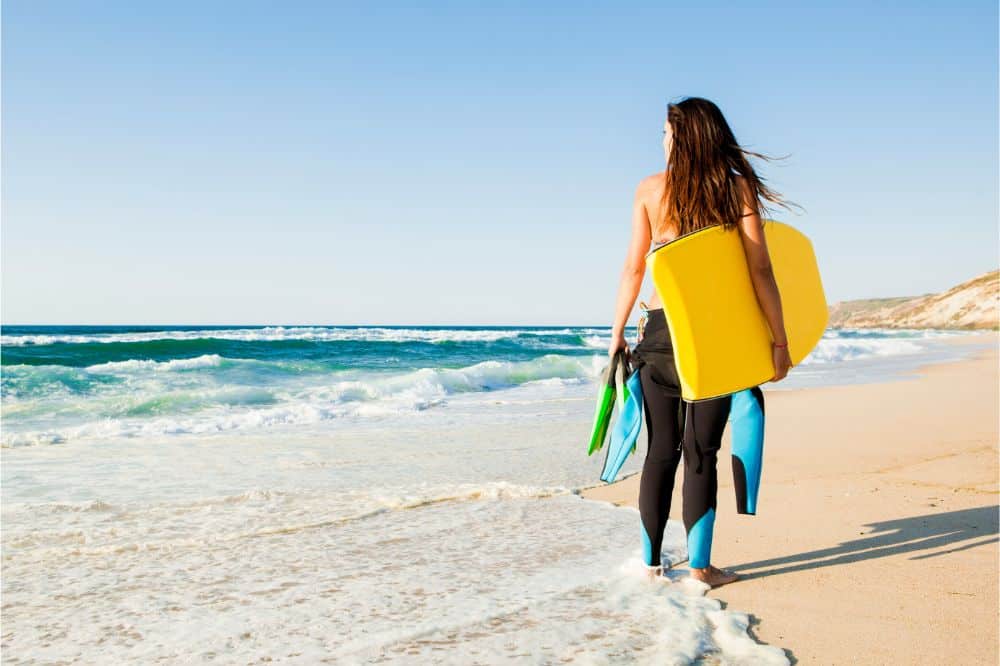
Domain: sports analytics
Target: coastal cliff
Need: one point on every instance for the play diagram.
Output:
(969, 305)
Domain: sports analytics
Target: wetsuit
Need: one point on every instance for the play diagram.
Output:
(676, 428)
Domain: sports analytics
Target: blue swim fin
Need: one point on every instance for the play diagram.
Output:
(626, 429)
(746, 419)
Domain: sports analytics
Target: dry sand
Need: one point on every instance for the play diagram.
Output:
(875, 540)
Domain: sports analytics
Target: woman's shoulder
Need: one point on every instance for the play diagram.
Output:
(650, 185)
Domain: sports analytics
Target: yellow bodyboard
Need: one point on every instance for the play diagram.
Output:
(721, 339)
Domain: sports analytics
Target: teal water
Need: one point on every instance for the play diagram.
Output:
(63, 383)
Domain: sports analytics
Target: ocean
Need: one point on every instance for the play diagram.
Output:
(342, 494)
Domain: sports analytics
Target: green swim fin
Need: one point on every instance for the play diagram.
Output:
(605, 406)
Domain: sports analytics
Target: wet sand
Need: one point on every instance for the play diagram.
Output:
(875, 540)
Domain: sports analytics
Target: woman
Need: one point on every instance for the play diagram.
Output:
(708, 181)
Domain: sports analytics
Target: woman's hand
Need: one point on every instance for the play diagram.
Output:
(782, 362)
(617, 343)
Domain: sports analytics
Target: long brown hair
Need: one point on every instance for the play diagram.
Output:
(700, 187)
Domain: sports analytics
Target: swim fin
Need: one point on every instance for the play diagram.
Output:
(605, 405)
(746, 419)
(626, 429)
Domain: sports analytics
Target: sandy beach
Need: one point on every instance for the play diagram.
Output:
(875, 540)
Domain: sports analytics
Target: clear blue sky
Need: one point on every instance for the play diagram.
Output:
(260, 162)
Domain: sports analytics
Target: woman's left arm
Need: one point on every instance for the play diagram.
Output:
(632, 272)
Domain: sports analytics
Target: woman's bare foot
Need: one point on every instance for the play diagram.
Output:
(654, 573)
(713, 576)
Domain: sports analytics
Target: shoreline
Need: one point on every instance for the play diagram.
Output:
(894, 485)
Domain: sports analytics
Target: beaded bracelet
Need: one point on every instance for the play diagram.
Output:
(777, 345)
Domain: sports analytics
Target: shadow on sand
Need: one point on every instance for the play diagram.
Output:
(927, 536)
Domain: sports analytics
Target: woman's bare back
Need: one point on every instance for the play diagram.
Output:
(651, 195)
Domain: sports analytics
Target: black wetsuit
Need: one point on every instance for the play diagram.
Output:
(676, 427)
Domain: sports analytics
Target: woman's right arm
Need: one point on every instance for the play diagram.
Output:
(764, 284)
